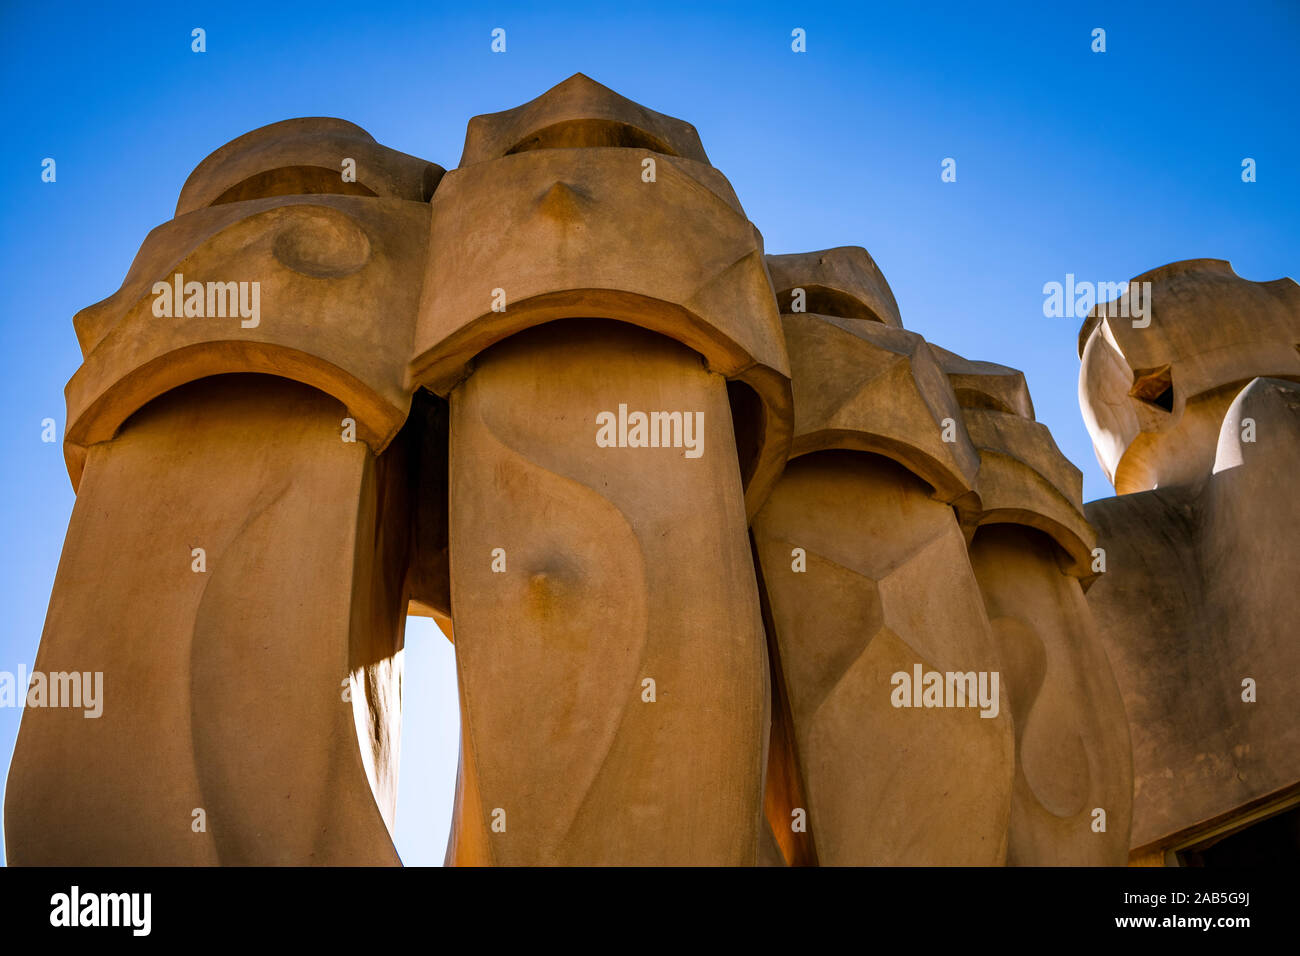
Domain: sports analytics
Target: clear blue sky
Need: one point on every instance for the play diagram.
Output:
(1103, 165)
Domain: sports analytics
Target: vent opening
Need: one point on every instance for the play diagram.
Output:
(586, 133)
(292, 181)
(747, 419)
(1155, 387)
(822, 300)
(973, 398)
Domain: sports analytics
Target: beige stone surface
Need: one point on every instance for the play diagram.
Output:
(1196, 416)
(1032, 556)
(306, 156)
(867, 498)
(1199, 595)
(843, 281)
(576, 114)
(620, 565)
(1023, 477)
(337, 265)
(1072, 738)
(865, 386)
(985, 385)
(888, 585)
(223, 690)
(338, 285)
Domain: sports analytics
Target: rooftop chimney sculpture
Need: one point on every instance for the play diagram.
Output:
(738, 569)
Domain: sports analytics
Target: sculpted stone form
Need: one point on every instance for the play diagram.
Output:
(866, 575)
(637, 567)
(338, 277)
(691, 269)
(738, 569)
(225, 735)
(619, 565)
(1153, 397)
(231, 662)
(1031, 553)
(1196, 416)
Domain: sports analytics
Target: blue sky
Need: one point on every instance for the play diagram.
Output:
(1068, 161)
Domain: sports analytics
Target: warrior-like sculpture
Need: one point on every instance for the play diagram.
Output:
(738, 570)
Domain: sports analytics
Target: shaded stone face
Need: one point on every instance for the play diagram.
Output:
(867, 577)
(1031, 552)
(1197, 612)
(1072, 740)
(255, 680)
(739, 570)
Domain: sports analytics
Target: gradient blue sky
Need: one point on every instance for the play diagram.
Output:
(1103, 165)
